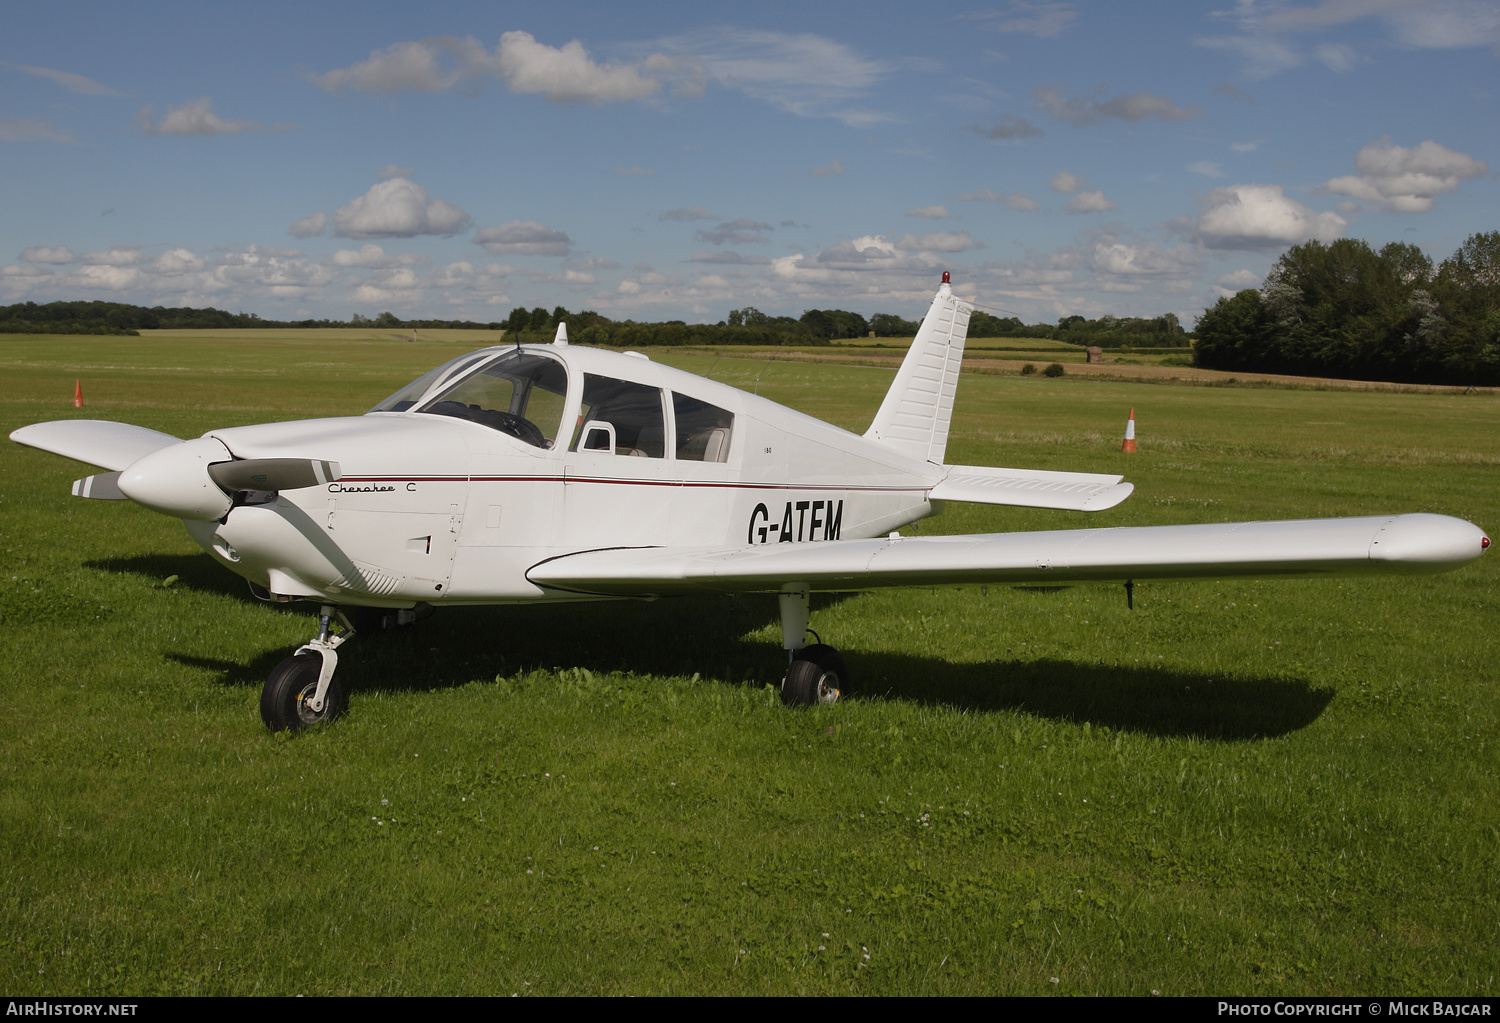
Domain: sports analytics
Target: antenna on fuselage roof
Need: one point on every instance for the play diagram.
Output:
(561, 337)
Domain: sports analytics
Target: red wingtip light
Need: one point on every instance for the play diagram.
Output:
(1484, 542)
(945, 276)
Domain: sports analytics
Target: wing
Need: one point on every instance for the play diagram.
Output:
(95, 441)
(1415, 543)
(1032, 488)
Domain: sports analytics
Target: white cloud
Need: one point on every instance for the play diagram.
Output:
(835, 167)
(1111, 256)
(692, 213)
(371, 255)
(109, 278)
(1043, 20)
(1336, 57)
(1261, 56)
(48, 254)
(1247, 147)
(1259, 217)
(67, 79)
(22, 129)
(1009, 127)
(636, 171)
(391, 170)
(309, 226)
(930, 212)
(938, 241)
(1426, 24)
(177, 261)
(120, 255)
(1090, 202)
(427, 65)
(728, 259)
(196, 118)
(566, 75)
(398, 208)
(523, 238)
(743, 231)
(1137, 106)
(1207, 168)
(1065, 183)
(575, 280)
(1406, 180)
(805, 74)
(1233, 283)
(1013, 201)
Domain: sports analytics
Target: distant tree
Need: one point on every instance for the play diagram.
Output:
(559, 315)
(887, 325)
(518, 320)
(387, 319)
(538, 319)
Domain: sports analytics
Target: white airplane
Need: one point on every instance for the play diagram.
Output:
(529, 473)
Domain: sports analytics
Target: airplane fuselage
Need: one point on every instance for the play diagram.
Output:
(440, 509)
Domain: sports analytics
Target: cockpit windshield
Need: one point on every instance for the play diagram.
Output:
(520, 393)
(409, 395)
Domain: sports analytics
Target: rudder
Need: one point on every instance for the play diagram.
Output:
(915, 415)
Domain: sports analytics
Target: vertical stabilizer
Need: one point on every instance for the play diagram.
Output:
(916, 412)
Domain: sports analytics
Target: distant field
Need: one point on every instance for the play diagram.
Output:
(1267, 787)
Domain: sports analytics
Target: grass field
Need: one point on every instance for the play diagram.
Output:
(1245, 787)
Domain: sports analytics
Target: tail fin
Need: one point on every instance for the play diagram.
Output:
(916, 412)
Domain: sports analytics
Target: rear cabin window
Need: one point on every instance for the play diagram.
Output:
(703, 430)
(620, 417)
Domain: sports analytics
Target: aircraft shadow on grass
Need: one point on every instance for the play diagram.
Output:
(680, 637)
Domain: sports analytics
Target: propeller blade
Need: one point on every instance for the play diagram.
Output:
(273, 473)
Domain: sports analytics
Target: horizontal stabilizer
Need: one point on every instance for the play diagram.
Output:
(95, 441)
(1415, 543)
(103, 487)
(1032, 488)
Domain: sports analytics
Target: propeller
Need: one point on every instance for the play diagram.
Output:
(273, 473)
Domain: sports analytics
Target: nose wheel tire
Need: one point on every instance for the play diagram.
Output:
(816, 675)
(283, 700)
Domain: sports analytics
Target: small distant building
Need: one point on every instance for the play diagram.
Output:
(1096, 354)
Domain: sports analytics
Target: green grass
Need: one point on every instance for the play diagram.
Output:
(1273, 787)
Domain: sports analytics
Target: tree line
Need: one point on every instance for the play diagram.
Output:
(118, 318)
(1344, 310)
(748, 326)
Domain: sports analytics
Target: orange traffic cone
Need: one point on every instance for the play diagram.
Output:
(1129, 446)
(78, 394)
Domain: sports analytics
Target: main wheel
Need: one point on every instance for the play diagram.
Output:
(283, 701)
(816, 675)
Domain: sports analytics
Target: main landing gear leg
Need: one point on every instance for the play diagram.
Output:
(301, 690)
(816, 673)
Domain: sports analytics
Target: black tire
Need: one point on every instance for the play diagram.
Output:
(290, 684)
(816, 675)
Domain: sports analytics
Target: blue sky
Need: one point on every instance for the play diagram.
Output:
(680, 160)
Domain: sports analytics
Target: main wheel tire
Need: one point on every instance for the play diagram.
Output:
(283, 700)
(816, 675)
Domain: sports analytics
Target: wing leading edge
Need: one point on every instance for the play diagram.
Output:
(1412, 544)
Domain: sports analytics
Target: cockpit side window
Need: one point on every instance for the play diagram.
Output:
(703, 430)
(520, 394)
(621, 417)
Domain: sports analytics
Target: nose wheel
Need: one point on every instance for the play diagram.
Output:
(301, 691)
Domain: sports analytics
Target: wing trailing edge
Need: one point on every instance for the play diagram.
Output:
(1413, 544)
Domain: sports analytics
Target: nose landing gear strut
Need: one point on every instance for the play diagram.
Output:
(301, 690)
